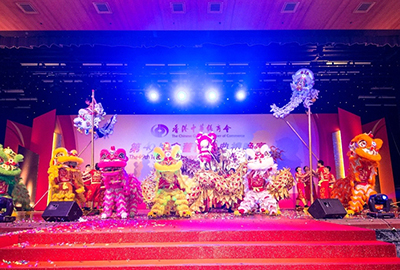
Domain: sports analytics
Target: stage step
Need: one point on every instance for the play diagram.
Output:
(127, 235)
(216, 264)
(197, 244)
(197, 250)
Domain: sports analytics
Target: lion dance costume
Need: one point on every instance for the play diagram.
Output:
(355, 189)
(122, 190)
(211, 185)
(266, 185)
(209, 189)
(9, 172)
(168, 183)
(206, 149)
(65, 176)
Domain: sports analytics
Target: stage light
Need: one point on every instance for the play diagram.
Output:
(153, 95)
(212, 95)
(379, 206)
(181, 95)
(152, 92)
(240, 95)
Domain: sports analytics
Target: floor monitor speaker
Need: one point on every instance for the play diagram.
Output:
(62, 211)
(327, 208)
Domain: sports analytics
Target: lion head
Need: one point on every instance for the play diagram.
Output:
(259, 157)
(9, 162)
(61, 157)
(168, 159)
(365, 146)
(112, 162)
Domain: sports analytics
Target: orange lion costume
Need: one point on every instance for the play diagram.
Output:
(355, 189)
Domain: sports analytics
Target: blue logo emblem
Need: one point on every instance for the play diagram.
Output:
(159, 130)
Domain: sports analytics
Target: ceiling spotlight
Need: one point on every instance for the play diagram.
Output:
(240, 95)
(181, 95)
(153, 95)
(212, 95)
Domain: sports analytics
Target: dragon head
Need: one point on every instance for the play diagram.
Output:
(168, 159)
(61, 157)
(259, 157)
(112, 162)
(303, 79)
(9, 162)
(366, 147)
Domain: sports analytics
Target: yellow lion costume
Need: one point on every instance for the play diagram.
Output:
(65, 178)
(355, 189)
(168, 184)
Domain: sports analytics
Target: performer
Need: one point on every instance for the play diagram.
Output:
(323, 175)
(299, 178)
(94, 190)
(354, 190)
(9, 172)
(87, 179)
(307, 185)
(170, 185)
(207, 149)
(65, 178)
(266, 185)
(122, 190)
(332, 179)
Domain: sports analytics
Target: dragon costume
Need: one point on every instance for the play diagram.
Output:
(266, 185)
(355, 189)
(222, 188)
(122, 189)
(302, 91)
(65, 177)
(214, 185)
(9, 173)
(165, 191)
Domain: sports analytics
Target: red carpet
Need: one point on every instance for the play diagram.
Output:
(204, 242)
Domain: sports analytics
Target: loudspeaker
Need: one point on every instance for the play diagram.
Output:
(62, 211)
(327, 208)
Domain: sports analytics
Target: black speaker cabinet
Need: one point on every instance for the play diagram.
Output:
(62, 211)
(327, 208)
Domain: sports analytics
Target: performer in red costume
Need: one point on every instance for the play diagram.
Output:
(323, 175)
(299, 178)
(307, 185)
(332, 179)
(87, 179)
(93, 194)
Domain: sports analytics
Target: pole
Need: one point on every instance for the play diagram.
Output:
(310, 155)
(301, 139)
(92, 133)
(83, 150)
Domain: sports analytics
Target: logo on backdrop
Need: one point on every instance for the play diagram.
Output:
(159, 130)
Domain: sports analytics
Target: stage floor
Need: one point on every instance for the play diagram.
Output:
(216, 240)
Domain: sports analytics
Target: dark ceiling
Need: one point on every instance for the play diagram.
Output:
(358, 78)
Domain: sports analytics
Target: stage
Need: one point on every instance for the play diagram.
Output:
(206, 241)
